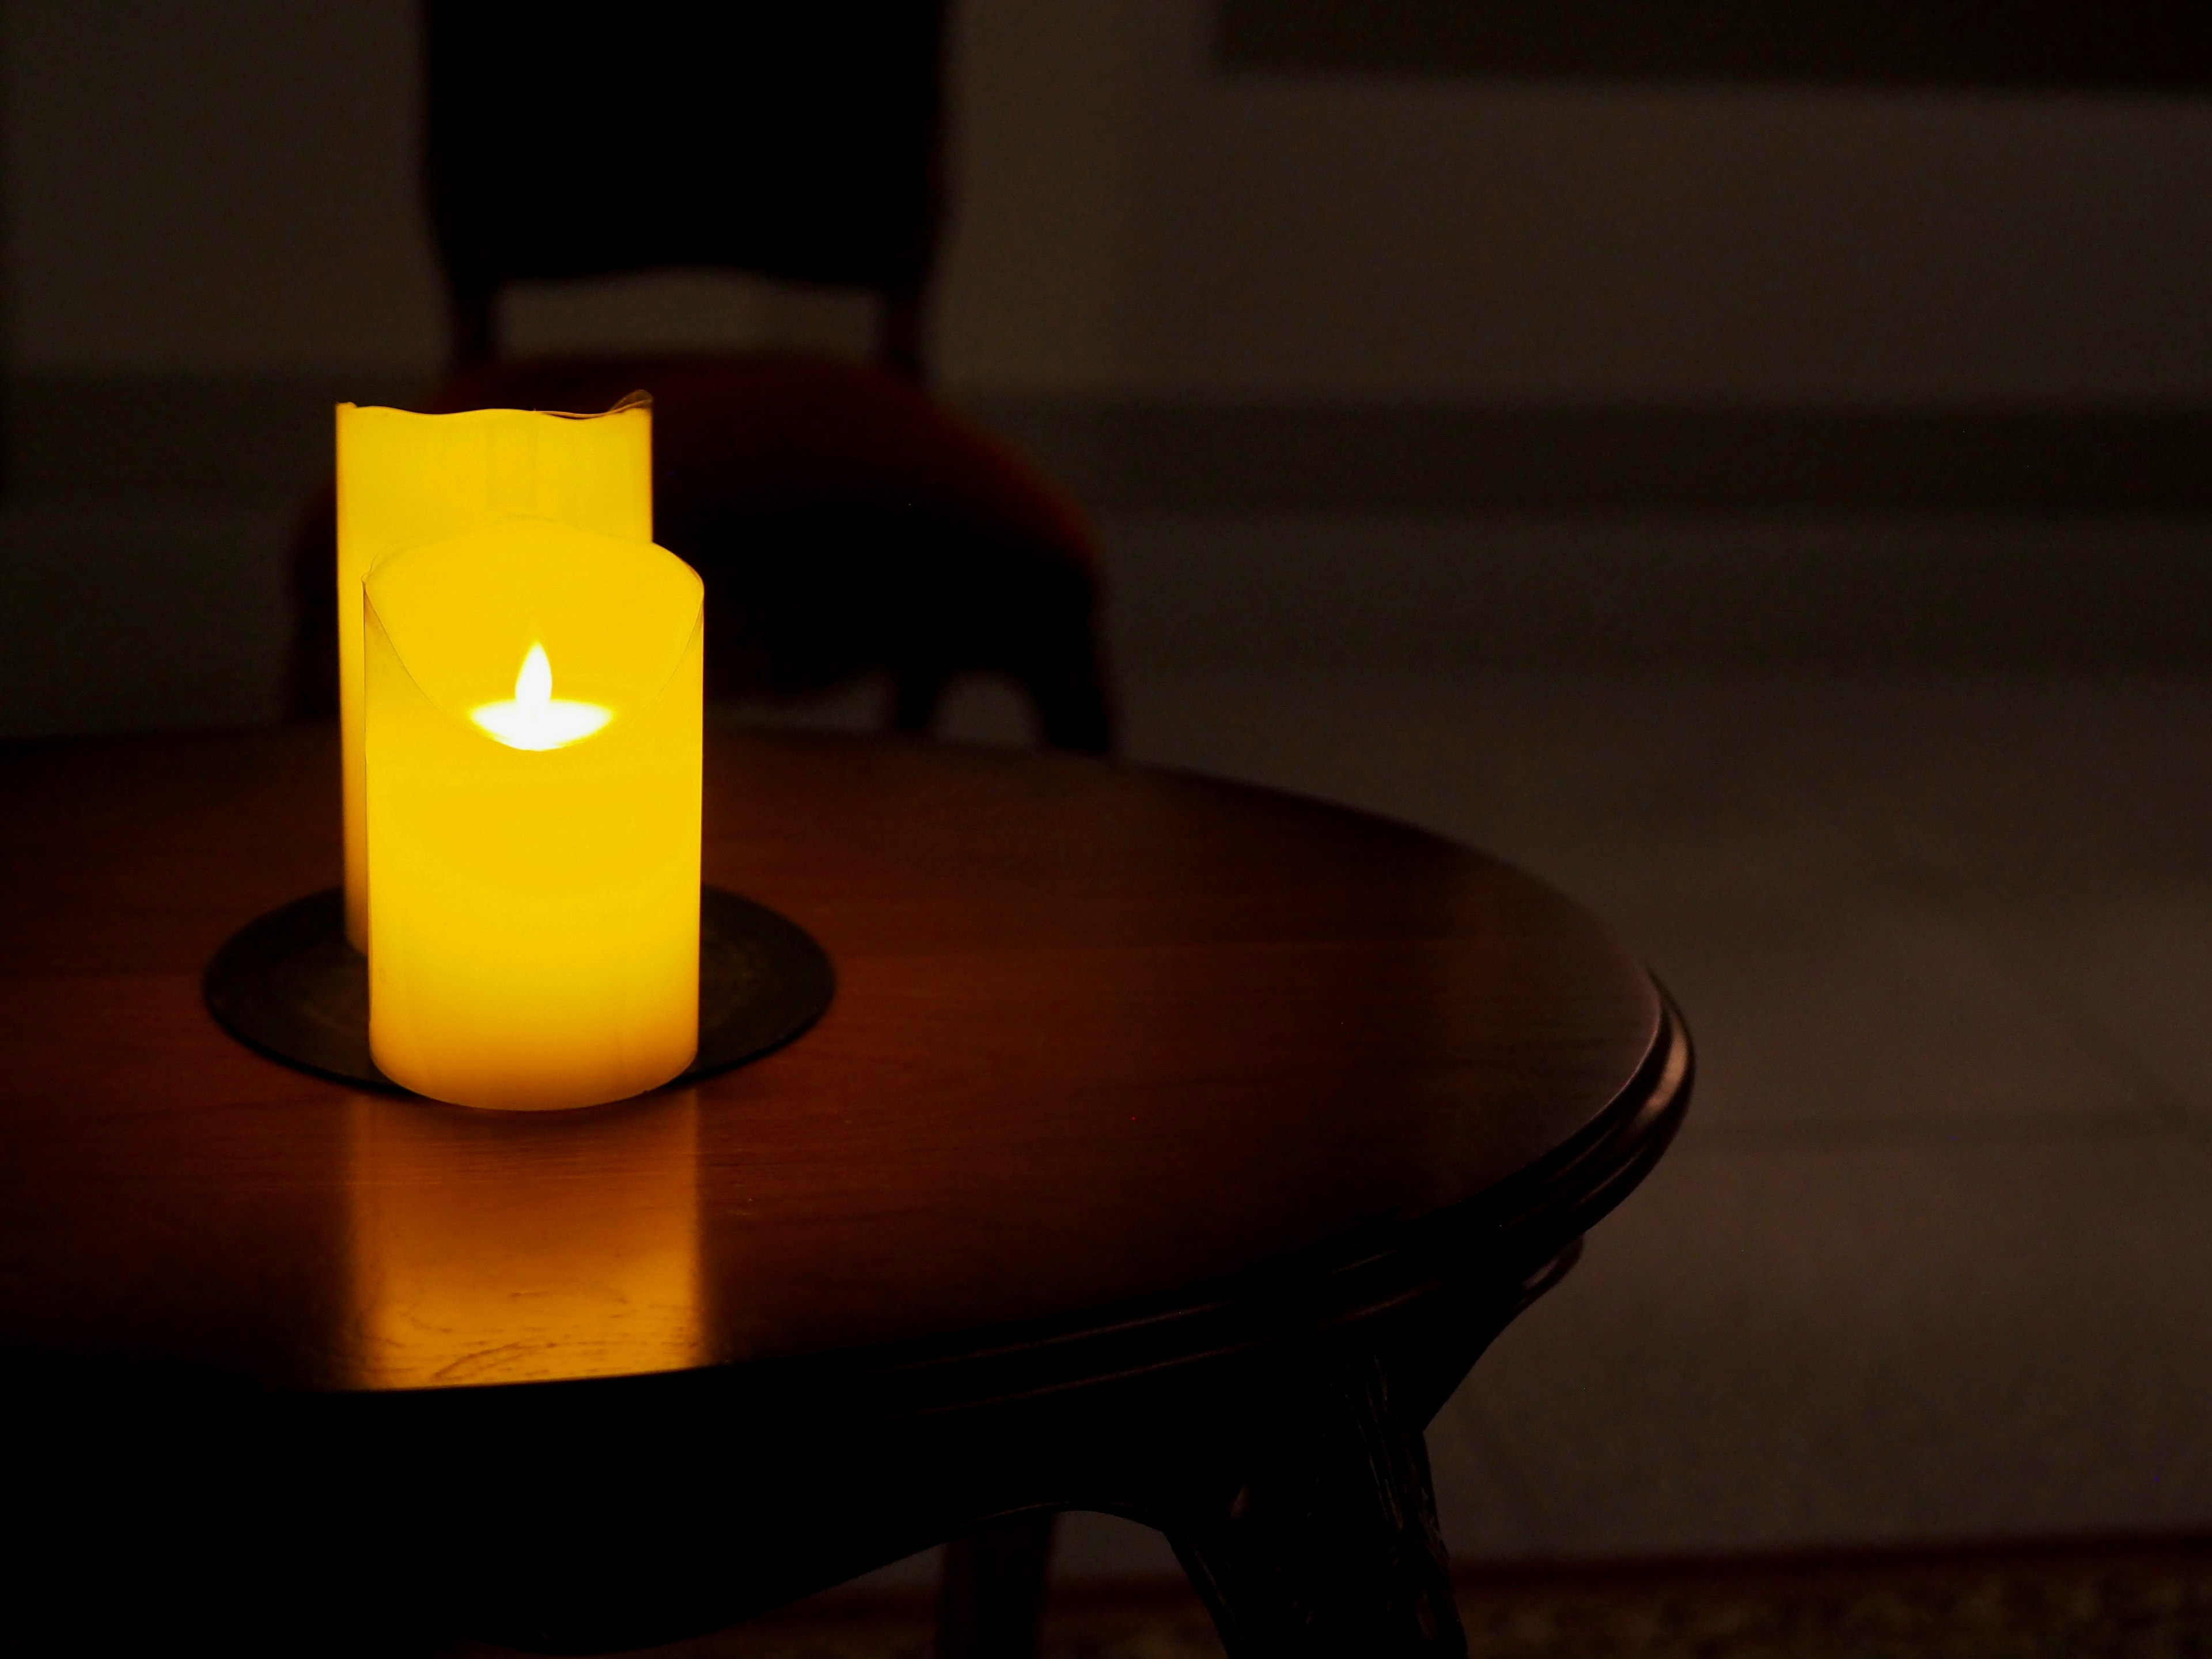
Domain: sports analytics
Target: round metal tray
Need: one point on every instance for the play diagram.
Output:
(289, 985)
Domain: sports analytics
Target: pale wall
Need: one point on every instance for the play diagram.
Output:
(225, 187)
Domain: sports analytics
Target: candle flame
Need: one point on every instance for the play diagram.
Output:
(536, 719)
(534, 684)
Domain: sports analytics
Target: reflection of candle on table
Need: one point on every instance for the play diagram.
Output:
(499, 1252)
(406, 478)
(533, 702)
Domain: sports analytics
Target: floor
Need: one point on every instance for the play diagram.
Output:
(1933, 1258)
(2141, 1600)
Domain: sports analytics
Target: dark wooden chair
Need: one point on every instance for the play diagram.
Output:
(845, 519)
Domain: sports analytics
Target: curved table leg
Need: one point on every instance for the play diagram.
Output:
(993, 1595)
(1313, 1532)
(1328, 1545)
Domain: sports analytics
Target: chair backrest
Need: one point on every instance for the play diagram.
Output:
(799, 139)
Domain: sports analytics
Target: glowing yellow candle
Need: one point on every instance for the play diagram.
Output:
(531, 697)
(406, 478)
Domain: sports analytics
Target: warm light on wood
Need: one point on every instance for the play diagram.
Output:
(485, 1253)
(533, 859)
(406, 479)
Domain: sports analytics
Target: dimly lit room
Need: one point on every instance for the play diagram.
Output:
(1106, 828)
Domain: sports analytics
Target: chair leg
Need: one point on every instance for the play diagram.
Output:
(1074, 709)
(916, 694)
(993, 1596)
(1077, 720)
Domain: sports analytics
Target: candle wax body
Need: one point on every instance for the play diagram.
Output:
(533, 913)
(406, 479)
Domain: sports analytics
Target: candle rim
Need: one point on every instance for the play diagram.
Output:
(640, 401)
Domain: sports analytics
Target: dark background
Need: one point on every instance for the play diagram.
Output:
(1754, 472)
(1939, 43)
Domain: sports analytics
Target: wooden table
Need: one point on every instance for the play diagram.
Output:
(1172, 1148)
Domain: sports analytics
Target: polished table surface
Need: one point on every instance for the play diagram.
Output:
(1170, 1147)
(1101, 1032)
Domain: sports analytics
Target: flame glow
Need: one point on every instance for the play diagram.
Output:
(536, 719)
